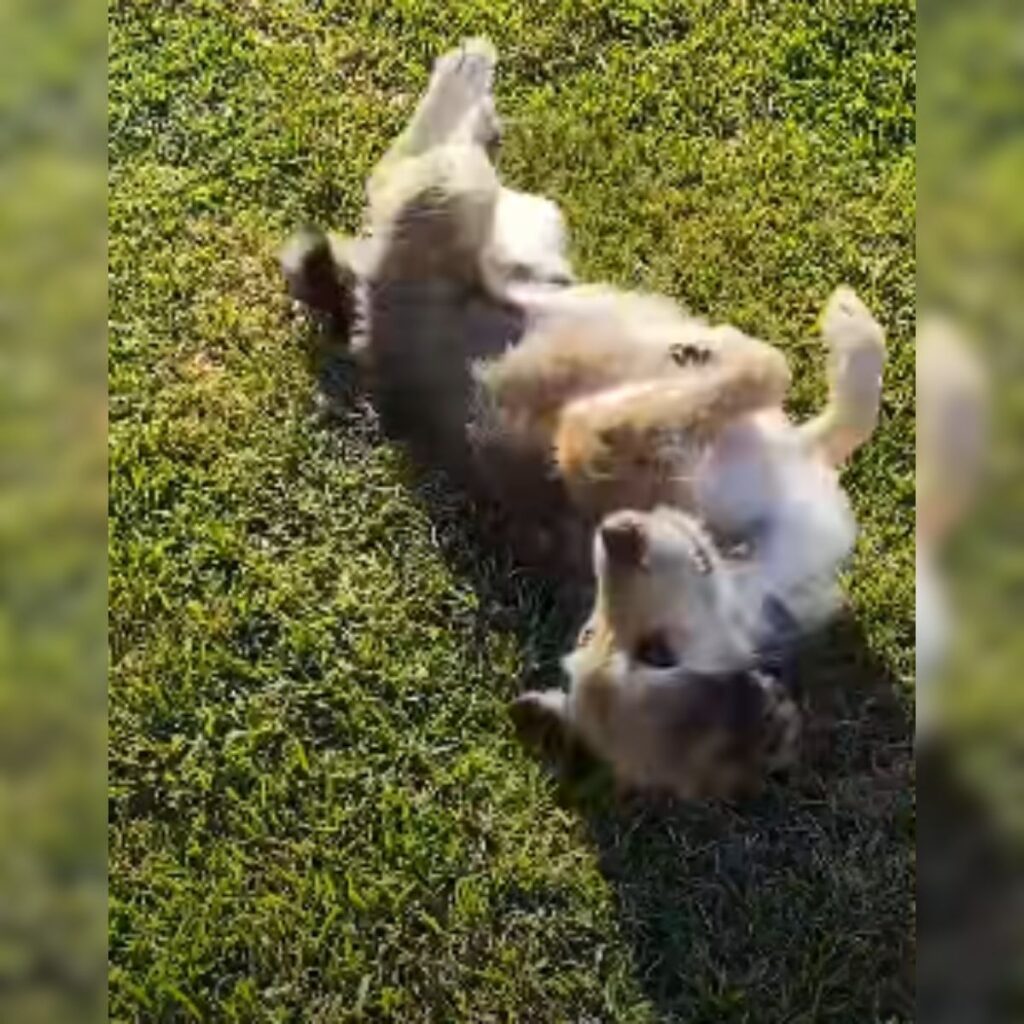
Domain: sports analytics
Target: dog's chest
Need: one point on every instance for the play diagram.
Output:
(737, 481)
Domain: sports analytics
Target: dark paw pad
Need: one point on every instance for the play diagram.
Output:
(689, 355)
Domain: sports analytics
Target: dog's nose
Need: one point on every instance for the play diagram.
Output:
(624, 540)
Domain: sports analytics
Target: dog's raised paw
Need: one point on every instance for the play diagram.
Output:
(466, 74)
(847, 322)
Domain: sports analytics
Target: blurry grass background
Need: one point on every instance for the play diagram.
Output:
(317, 807)
(52, 513)
(971, 244)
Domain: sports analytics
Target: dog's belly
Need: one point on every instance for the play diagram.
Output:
(738, 482)
(759, 484)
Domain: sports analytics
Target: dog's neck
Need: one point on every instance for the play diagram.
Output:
(720, 638)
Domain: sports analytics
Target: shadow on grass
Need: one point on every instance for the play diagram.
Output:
(796, 905)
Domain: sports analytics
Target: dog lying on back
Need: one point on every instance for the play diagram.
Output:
(566, 403)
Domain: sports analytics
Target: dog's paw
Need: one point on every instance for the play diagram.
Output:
(457, 105)
(847, 324)
(539, 718)
(465, 75)
(856, 345)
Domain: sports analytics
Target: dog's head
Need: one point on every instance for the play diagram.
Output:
(664, 596)
(664, 671)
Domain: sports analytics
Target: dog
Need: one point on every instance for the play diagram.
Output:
(564, 403)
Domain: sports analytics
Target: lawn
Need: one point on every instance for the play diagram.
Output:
(318, 809)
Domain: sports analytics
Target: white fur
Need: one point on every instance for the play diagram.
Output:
(758, 481)
(528, 237)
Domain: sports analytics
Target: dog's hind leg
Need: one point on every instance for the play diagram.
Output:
(856, 346)
(457, 106)
(432, 216)
(450, 143)
(433, 192)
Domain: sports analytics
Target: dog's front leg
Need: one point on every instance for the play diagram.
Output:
(636, 445)
(856, 346)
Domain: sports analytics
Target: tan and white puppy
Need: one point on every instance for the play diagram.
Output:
(566, 403)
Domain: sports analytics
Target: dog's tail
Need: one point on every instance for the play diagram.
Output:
(318, 279)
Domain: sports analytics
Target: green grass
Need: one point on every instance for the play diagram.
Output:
(318, 811)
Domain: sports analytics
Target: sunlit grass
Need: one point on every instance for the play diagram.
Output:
(318, 810)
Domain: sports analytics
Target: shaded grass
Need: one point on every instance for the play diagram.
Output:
(318, 810)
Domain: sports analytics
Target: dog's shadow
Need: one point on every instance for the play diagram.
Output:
(540, 610)
(797, 904)
(794, 905)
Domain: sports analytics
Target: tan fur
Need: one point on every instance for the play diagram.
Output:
(635, 446)
(696, 736)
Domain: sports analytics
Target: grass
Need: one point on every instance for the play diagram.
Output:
(318, 811)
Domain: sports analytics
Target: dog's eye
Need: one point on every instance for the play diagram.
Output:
(687, 355)
(655, 651)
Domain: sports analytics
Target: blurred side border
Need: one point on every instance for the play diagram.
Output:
(53, 411)
(970, 787)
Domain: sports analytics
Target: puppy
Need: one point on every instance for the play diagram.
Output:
(563, 402)
(661, 684)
